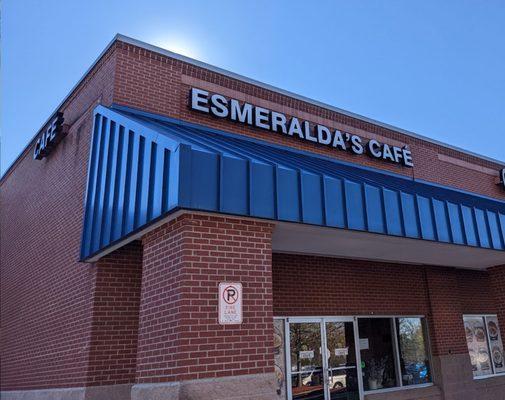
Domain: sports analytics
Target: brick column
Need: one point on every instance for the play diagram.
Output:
(114, 329)
(497, 281)
(180, 340)
(446, 323)
(451, 362)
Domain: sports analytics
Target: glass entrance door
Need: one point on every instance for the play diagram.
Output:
(305, 340)
(322, 359)
(341, 360)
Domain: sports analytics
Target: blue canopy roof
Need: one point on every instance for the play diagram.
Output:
(144, 166)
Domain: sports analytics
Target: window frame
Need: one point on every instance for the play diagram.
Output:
(488, 343)
(396, 352)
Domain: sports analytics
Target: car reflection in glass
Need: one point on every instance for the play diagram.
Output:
(341, 386)
(417, 373)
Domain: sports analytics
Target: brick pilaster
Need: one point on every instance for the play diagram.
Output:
(497, 281)
(445, 319)
(183, 263)
(114, 328)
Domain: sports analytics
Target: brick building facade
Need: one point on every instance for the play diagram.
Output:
(114, 245)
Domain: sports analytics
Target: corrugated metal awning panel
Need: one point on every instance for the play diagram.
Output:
(143, 166)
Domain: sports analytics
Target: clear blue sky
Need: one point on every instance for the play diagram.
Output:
(430, 66)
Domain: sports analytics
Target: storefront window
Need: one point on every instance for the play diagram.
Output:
(485, 345)
(377, 353)
(413, 352)
(394, 352)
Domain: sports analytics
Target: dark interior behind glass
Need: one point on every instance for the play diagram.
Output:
(377, 353)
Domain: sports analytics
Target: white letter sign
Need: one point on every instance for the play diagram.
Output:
(234, 110)
(230, 303)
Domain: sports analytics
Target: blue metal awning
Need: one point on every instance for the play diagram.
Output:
(143, 167)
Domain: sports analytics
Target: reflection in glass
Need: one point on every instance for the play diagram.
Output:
(340, 342)
(308, 385)
(343, 384)
(413, 352)
(306, 362)
(342, 371)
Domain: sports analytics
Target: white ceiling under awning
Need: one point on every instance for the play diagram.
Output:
(343, 243)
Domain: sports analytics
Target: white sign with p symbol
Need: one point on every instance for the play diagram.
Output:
(230, 303)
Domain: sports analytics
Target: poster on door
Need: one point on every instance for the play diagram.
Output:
(279, 358)
(230, 303)
(495, 344)
(476, 339)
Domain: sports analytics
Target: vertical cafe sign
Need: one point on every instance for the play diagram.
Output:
(52, 134)
(502, 178)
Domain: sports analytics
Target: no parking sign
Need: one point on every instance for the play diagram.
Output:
(230, 303)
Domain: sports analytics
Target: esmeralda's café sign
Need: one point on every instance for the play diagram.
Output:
(245, 113)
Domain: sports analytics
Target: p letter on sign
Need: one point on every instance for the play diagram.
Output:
(230, 303)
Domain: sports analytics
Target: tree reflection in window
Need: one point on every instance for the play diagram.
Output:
(413, 352)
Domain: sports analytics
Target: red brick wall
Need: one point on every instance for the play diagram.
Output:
(46, 293)
(184, 261)
(114, 330)
(309, 285)
(497, 283)
(475, 292)
(159, 84)
(446, 321)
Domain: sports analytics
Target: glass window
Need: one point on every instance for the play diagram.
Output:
(377, 353)
(485, 345)
(394, 352)
(341, 356)
(306, 360)
(413, 353)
